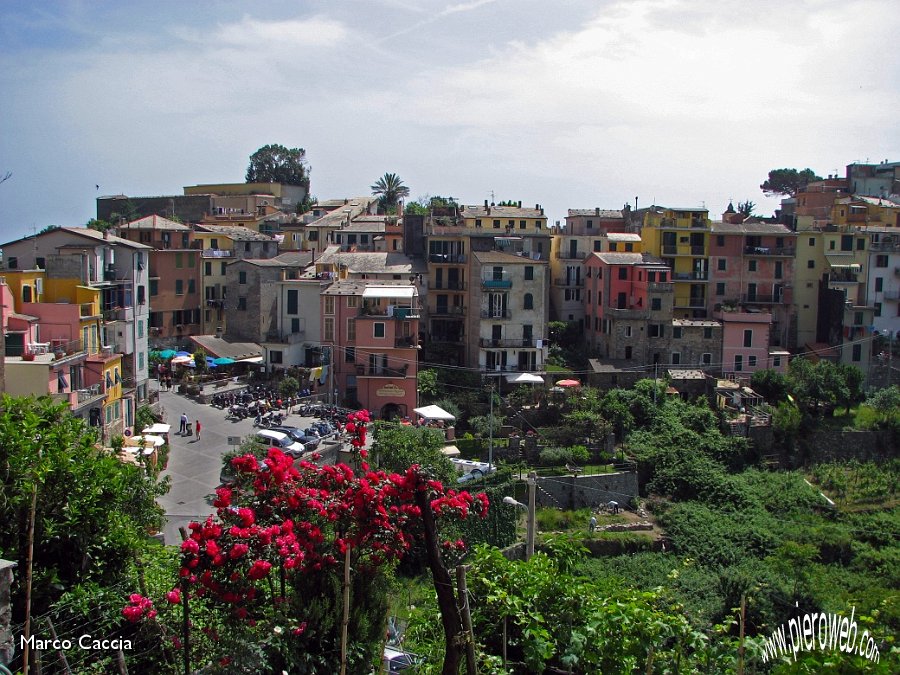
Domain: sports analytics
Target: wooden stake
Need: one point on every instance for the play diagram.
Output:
(29, 563)
(740, 667)
(462, 601)
(186, 627)
(120, 662)
(345, 622)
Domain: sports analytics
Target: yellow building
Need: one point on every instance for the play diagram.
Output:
(680, 237)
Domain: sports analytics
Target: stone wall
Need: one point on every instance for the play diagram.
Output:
(577, 492)
(832, 445)
(7, 641)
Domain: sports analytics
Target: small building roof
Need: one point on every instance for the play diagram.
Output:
(686, 374)
(99, 237)
(623, 236)
(500, 212)
(615, 258)
(597, 213)
(233, 232)
(154, 222)
(371, 262)
(751, 227)
(696, 322)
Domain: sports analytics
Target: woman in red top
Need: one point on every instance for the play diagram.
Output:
(198, 430)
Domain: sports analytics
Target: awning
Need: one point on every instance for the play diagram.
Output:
(158, 428)
(433, 412)
(389, 292)
(855, 267)
(525, 378)
(252, 359)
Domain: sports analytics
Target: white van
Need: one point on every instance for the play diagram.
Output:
(281, 441)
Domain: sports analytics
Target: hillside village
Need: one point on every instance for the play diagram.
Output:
(649, 435)
(366, 296)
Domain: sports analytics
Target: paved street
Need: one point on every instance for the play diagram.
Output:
(194, 465)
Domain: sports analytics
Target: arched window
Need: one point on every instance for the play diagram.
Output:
(529, 301)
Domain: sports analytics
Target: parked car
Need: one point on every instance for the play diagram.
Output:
(309, 442)
(282, 441)
(394, 660)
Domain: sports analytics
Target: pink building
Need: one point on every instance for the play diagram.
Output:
(371, 330)
(745, 344)
(752, 268)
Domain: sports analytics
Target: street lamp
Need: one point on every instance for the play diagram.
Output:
(530, 508)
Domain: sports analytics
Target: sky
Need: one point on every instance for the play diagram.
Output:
(569, 103)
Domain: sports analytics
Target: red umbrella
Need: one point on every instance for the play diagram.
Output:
(568, 383)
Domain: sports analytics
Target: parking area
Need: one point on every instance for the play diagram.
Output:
(194, 465)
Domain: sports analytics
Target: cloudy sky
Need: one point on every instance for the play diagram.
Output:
(567, 103)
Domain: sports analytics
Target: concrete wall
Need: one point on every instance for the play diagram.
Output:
(576, 492)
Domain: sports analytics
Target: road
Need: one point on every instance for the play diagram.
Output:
(194, 465)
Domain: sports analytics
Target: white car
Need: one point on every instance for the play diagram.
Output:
(282, 441)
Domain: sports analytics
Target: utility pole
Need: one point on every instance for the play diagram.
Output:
(491, 431)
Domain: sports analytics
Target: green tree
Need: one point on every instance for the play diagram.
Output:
(850, 390)
(771, 385)
(289, 386)
(93, 511)
(397, 447)
(746, 208)
(98, 224)
(427, 381)
(787, 181)
(885, 401)
(390, 190)
(817, 383)
(278, 164)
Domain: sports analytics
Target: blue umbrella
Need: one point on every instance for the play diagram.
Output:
(183, 354)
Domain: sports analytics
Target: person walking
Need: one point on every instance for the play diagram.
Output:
(198, 429)
(184, 421)
(593, 523)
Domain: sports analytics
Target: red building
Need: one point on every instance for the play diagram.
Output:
(370, 330)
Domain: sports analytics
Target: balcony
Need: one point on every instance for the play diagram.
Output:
(447, 258)
(388, 312)
(757, 299)
(381, 371)
(111, 314)
(496, 314)
(504, 343)
(694, 303)
(660, 287)
(406, 341)
(562, 281)
(496, 283)
(89, 310)
(571, 255)
(786, 251)
(887, 246)
(216, 253)
(447, 310)
(88, 395)
(690, 276)
(446, 285)
(625, 313)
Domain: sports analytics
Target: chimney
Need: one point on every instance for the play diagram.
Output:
(520, 203)
(537, 206)
(596, 210)
(485, 204)
(542, 210)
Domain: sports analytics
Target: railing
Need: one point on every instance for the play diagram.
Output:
(405, 341)
(690, 276)
(91, 392)
(884, 246)
(116, 314)
(88, 309)
(440, 310)
(698, 250)
(448, 258)
(571, 255)
(381, 371)
(393, 312)
(761, 299)
(446, 285)
(843, 279)
(562, 281)
(527, 343)
(695, 303)
(69, 347)
(216, 253)
(495, 314)
(661, 286)
(496, 283)
(625, 313)
(770, 250)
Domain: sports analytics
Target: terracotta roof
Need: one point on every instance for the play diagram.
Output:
(357, 286)
(603, 213)
(382, 261)
(98, 236)
(719, 227)
(220, 348)
(614, 258)
(234, 232)
(623, 236)
(154, 222)
(500, 212)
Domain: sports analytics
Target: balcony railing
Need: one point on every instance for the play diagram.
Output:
(690, 276)
(491, 282)
(60, 346)
(884, 246)
(571, 255)
(446, 285)
(495, 314)
(406, 341)
(761, 299)
(381, 371)
(695, 303)
(625, 313)
(770, 250)
(88, 310)
(92, 392)
(526, 343)
(116, 313)
(392, 312)
(444, 310)
(661, 286)
(447, 258)
(216, 253)
(562, 281)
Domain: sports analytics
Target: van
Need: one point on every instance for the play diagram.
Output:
(282, 441)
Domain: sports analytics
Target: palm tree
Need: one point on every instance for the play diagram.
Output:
(390, 189)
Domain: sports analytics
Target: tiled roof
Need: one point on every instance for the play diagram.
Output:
(219, 348)
(696, 322)
(603, 213)
(234, 232)
(287, 259)
(337, 217)
(357, 286)
(154, 222)
(612, 258)
(719, 227)
(500, 212)
(98, 236)
(623, 236)
(369, 262)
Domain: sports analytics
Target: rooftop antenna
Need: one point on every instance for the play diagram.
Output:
(492, 197)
